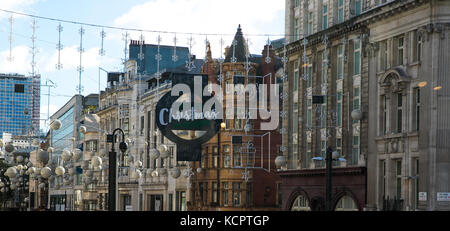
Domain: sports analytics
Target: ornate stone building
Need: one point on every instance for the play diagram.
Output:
(129, 103)
(408, 52)
(237, 170)
(381, 66)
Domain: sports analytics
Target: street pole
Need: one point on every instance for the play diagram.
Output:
(112, 178)
(218, 167)
(328, 190)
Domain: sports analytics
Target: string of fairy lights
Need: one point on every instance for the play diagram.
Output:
(126, 36)
(190, 64)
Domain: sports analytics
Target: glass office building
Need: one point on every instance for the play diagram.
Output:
(19, 104)
(61, 138)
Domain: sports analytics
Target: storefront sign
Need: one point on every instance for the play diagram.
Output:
(422, 196)
(443, 196)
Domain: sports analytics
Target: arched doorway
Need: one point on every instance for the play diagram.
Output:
(346, 203)
(301, 203)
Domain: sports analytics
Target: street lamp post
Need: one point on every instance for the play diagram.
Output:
(112, 178)
(329, 172)
(222, 126)
(330, 157)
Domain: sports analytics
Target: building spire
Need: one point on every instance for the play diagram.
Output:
(238, 48)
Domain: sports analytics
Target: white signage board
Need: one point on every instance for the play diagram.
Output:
(129, 208)
(443, 196)
(157, 205)
(422, 196)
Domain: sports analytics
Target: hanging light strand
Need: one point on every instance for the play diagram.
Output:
(133, 29)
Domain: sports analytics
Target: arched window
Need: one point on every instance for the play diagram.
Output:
(346, 203)
(300, 204)
(393, 98)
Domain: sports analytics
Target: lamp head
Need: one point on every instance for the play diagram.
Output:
(56, 124)
(123, 147)
(83, 129)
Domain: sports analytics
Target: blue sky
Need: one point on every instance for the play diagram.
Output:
(189, 16)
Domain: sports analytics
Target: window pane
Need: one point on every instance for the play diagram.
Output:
(341, 15)
(310, 76)
(358, 7)
(355, 155)
(357, 44)
(355, 140)
(356, 104)
(400, 51)
(356, 92)
(357, 63)
(339, 114)
(325, 17)
(340, 62)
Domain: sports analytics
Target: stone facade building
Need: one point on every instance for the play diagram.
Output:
(129, 103)
(381, 66)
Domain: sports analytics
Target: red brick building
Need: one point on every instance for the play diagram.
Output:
(241, 149)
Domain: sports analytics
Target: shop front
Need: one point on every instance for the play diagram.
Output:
(304, 190)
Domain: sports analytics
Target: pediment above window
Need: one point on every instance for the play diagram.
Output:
(394, 81)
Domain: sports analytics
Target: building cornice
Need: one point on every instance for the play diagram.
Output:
(106, 110)
(354, 24)
(322, 171)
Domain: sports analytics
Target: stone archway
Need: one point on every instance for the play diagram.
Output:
(298, 201)
(346, 203)
(346, 200)
(301, 203)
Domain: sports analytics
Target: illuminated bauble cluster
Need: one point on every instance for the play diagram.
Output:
(43, 156)
(154, 153)
(164, 151)
(46, 172)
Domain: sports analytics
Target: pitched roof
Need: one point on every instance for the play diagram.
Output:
(239, 48)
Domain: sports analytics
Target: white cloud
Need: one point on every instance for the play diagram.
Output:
(70, 58)
(19, 64)
(210, 16)
(14, 5)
